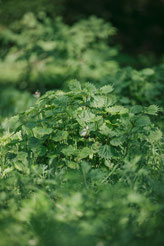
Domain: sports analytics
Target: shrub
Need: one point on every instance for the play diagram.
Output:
(143, 86)
(44, 53)
(84, 124)
(79, 169)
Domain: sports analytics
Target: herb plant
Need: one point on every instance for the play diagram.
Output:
(84, 124)
(45, 53)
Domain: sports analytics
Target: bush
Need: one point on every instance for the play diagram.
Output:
(85, 124)
(143, 86)
(43, 54)
(128, 16)
(80, 169)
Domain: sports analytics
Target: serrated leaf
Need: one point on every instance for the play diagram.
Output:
(155, 136)
(116, 142)
(106, 89)
(105, 152)
(136, 109)
(104, 130)
(42, 131)
(152, 110)
(85, 116)
(74, 85)
(70, 150)
(98, 102)
(117, 110)
(90, 88)
(60, 136)
(143, 121)
(85, 152)
(110, 100)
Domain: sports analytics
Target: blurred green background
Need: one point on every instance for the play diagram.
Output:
(140, 22)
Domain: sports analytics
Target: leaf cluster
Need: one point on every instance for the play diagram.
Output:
(45, 53)
(84, 124)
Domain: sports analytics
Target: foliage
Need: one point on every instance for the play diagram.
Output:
(143, 86)
(82, 166)
(82, 170)
(47, 209)
(13, 101)
(43, 54)
(84, 124)
(14, 10)
(140, 23)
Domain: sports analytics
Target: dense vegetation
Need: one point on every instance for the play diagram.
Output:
(80, 167)
(140, 23)
(44, 54)
(81, 136)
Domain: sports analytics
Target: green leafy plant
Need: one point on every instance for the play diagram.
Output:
(45, 53)
(143, 86)
(47, 208)
(84, 124)
(82, 166)
(77, 166)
